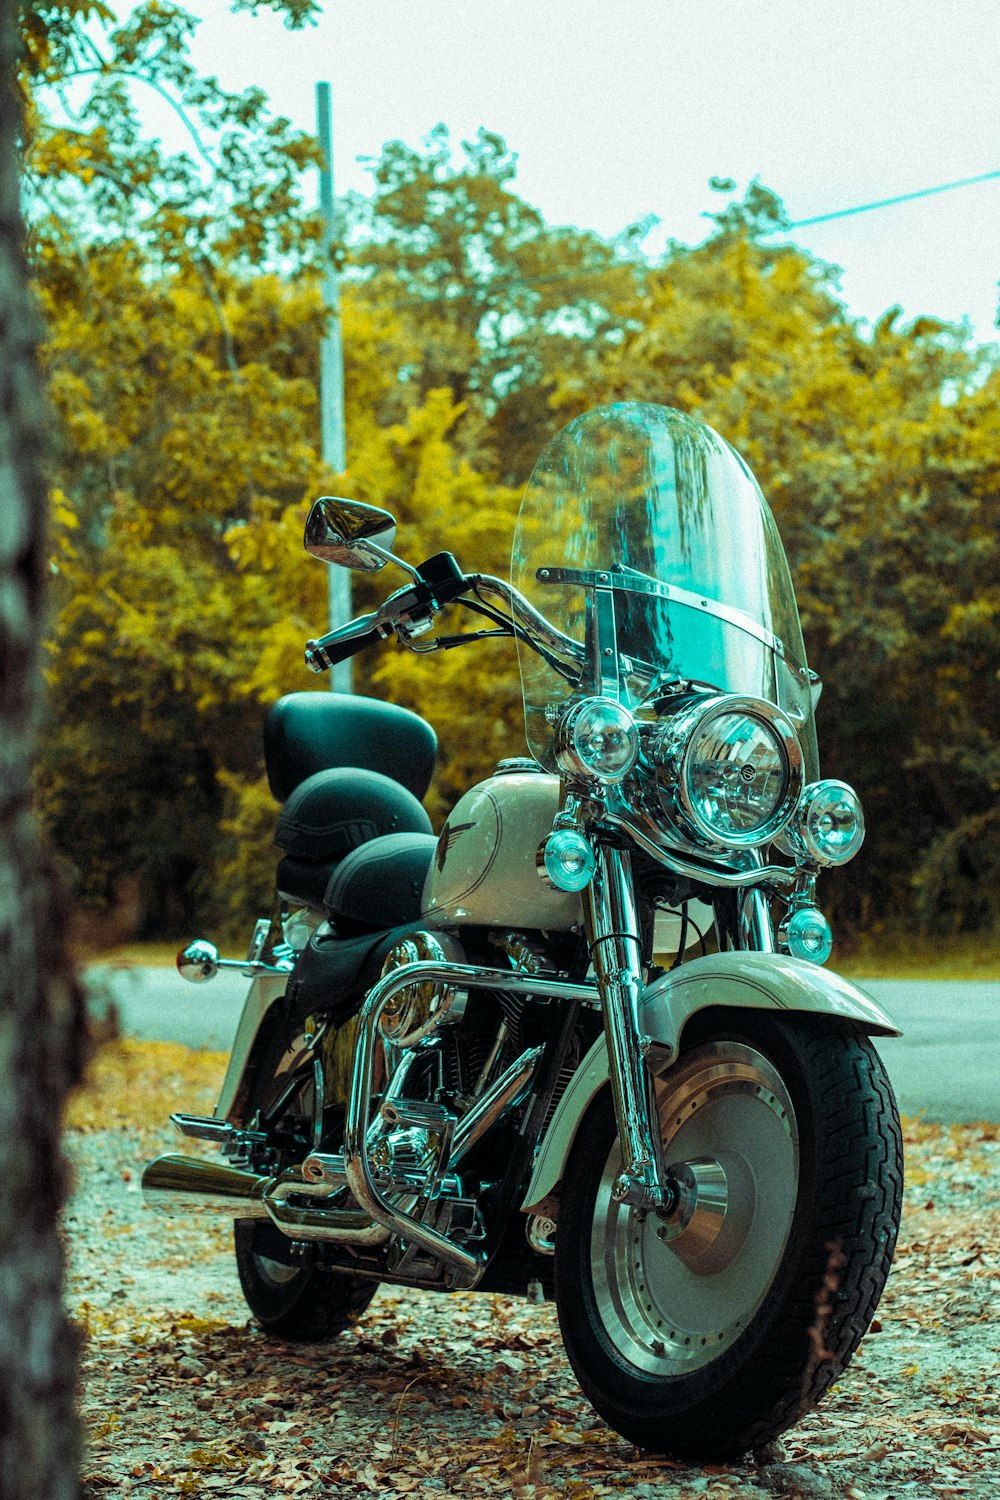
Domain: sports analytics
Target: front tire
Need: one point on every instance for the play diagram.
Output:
(711, 1333)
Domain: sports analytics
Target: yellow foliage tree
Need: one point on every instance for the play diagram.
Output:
(184, 318)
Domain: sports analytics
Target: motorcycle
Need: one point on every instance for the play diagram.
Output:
(580, 1045)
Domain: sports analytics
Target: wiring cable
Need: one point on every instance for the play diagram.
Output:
(864, 208)
(467, 294)
(482, 608)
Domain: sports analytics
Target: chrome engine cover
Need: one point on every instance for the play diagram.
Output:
(415, 1013)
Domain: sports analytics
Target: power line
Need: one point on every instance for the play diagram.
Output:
(599, 271)
(863, 208)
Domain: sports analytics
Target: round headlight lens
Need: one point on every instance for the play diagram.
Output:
(597, 737)
(736, 774)
(737, 769)
(831, 824)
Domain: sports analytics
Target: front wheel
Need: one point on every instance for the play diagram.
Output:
(711, 1332)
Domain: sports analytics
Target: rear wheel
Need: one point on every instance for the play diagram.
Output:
(713, 1331)
(289, 1295)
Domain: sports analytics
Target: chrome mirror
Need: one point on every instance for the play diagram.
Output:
(350, 533)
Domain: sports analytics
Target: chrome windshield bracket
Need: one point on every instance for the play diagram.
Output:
(612, 925)
(606, 679)
(627, 580)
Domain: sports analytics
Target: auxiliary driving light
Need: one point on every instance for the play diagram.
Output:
(806, 934)
(597, 737)
(565, 860)
(730, 767)
(830, 827)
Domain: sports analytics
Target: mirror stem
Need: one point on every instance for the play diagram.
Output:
(377, 551)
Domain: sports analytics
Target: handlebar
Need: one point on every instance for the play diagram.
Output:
(440, 581)
(536, 629)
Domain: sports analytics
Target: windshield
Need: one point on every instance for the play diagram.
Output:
(643, 535)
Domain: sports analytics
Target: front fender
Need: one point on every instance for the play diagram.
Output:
(750, 981)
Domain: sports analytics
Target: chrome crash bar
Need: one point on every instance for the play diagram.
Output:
(466, 1268)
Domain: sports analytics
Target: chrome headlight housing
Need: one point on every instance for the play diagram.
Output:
(730, 769)
(830, 826)
(597, 738)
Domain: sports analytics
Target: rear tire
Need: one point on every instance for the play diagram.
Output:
(303, 1303)
(719, 1337)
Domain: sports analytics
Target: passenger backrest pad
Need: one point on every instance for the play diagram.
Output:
(309, 732)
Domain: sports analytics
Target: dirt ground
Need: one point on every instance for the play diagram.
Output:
(465, 1395)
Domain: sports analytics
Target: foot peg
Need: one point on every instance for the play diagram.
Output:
(202, 1128)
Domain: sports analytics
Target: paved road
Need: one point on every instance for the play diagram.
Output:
(947, 1062)
(946, 1065)
(157, 1005)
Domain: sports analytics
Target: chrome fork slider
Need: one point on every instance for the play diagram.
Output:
(612, 926)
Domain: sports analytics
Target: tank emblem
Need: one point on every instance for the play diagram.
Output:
(449, 834)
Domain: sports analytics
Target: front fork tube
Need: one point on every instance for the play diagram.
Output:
(756, 928)
(612, 926)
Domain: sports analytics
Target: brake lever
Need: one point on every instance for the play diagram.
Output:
(399, 605)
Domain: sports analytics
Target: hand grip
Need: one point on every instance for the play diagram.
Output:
(325, 653)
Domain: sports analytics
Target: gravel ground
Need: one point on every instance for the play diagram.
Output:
(465, 1395)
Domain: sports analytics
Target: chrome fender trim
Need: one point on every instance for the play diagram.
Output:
(752, 981)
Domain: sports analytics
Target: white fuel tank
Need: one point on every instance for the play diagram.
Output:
(483, 873)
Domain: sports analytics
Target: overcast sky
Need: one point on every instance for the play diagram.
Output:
(622, 108)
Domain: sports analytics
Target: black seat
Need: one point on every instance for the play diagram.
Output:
(380, 884)
(334, 972)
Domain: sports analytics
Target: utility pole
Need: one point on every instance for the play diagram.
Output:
(333, 446)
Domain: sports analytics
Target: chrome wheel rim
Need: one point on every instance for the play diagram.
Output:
(275, 1271)
(672, 1296)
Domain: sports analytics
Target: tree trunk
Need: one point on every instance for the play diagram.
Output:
(41, 1025)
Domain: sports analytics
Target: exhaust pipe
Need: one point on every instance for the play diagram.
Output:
(181, 1186)
(184, 1185)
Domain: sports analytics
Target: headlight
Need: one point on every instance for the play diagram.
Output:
(732, 767)
(830, 827)
(597, 737)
